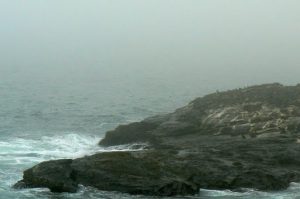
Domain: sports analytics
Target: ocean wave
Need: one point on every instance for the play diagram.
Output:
(20, 150)
(55, 147)
(293, 192)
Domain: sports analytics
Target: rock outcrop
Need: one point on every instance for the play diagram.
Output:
(244, 138)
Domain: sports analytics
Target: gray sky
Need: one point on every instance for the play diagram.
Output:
(228, 43)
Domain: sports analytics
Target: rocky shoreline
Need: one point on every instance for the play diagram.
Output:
(243, 138)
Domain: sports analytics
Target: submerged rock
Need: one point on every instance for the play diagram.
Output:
(244, 138)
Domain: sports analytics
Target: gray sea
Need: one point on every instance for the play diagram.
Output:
(45, 118)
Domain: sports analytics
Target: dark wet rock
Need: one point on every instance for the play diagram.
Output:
(139, 172)
(21, 185)
(252, 107)
(55, 175)
(293, 124)
(132, 133)
(244, 138)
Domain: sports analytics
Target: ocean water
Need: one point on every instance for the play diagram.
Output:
(47, 118)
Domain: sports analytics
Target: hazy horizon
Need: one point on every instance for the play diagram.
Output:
(215, 44)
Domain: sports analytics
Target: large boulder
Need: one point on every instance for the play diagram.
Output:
(140, 172)
(56, 175)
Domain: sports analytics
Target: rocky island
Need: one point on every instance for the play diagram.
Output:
(242, 138)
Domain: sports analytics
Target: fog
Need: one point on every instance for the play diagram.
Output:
(215, 44)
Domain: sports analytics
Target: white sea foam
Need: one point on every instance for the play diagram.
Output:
(68, 146)
(293, 192)
(20, 151)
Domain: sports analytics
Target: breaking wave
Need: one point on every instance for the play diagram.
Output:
(19, 150)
